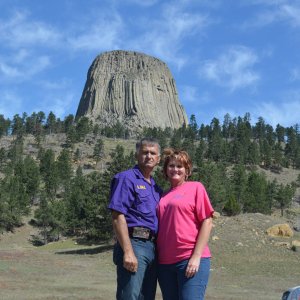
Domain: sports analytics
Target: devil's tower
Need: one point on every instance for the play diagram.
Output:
(133, 88)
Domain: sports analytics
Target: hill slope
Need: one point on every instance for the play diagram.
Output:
(246, 264)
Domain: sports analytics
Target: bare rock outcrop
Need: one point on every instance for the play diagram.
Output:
(132, 88)
(280, 230)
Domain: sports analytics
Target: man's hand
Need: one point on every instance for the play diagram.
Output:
(130, 262)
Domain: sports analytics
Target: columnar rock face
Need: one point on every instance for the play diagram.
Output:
(133, 88)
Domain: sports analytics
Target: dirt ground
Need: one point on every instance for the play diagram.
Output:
(246, 264)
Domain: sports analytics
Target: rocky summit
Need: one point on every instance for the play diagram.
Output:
(132, 88)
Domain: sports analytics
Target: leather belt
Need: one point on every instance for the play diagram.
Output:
(142, 233)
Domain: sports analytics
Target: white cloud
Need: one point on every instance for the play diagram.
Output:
(285, 113)
(20, 55)
(267, 2)
(107, 33)
(145, 3)
(19, 31)
(295, 74)
(189, 93)
(38, 65)
(192, 97)
(10, 104)
(24, 38)
(63, 83)
(165, 36)
(292, 14)
(276, 12)
(9, 71)
(221, 112)
(59, 104)
(13, 68)
(206, 118)
(232, 69)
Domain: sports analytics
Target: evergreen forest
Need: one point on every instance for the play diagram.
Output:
(227, 156)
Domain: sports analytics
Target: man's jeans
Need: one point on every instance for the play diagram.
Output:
(175, 285)
(142, 284)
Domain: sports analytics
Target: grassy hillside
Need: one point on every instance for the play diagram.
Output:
(56, 142)
(246, 264)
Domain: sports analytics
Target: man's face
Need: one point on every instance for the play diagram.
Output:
(148, 156)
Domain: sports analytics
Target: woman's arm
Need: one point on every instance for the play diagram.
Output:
(202, 240)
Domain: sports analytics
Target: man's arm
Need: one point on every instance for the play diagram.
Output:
(130, 262)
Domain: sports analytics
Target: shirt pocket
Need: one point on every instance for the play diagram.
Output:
(144, 202)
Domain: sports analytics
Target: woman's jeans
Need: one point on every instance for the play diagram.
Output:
(175, 285)
(142, 284)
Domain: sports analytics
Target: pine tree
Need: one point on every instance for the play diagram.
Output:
(17, 126)
(51, 123)
(2, 158)
(74, 199)
(256, 199)
(71, 137)
(31, 177)
(266, 153)
(226, 127)
(64, 168)
(215, 141)
(213, 176)
(192, 129)
(284, 196)
(200, 153)
(83, 127)
(98, 150)
(259, 130)
(280, 132)
(77, 155)
(232, 207)
(278, 155)
(4, 126)
(68, 123)
(50, 173)
(239, 184)
(253, 154)
(292, 145)
(175, 141)
(15, 201)
(44, 216)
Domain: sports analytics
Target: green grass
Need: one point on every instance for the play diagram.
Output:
(61, 245)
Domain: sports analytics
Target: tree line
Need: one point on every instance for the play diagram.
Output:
(226, 156)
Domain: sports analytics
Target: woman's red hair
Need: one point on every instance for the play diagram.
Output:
(180, 155)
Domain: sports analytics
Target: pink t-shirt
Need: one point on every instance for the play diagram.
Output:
(180, 214)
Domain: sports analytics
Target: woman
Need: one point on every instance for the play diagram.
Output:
(185, 222)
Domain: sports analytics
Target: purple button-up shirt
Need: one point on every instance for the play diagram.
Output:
(133, 196)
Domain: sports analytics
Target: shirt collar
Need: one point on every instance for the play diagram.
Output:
(139, 174)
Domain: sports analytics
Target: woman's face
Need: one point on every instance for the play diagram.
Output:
(176, 172)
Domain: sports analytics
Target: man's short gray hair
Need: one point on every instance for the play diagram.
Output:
(147, 141)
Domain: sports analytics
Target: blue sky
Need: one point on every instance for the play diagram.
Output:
(226, 56)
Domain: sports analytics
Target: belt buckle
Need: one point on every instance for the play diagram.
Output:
(140, 232)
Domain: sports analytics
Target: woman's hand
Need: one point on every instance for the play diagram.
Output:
(192, 266)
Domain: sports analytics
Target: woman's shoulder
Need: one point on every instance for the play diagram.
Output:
(194, 184)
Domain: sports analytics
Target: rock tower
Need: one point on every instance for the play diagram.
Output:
(133, 88)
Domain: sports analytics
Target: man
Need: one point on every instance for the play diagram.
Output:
(133, 201)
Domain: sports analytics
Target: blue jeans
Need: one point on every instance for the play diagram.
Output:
(175, 285)
(142, 284)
